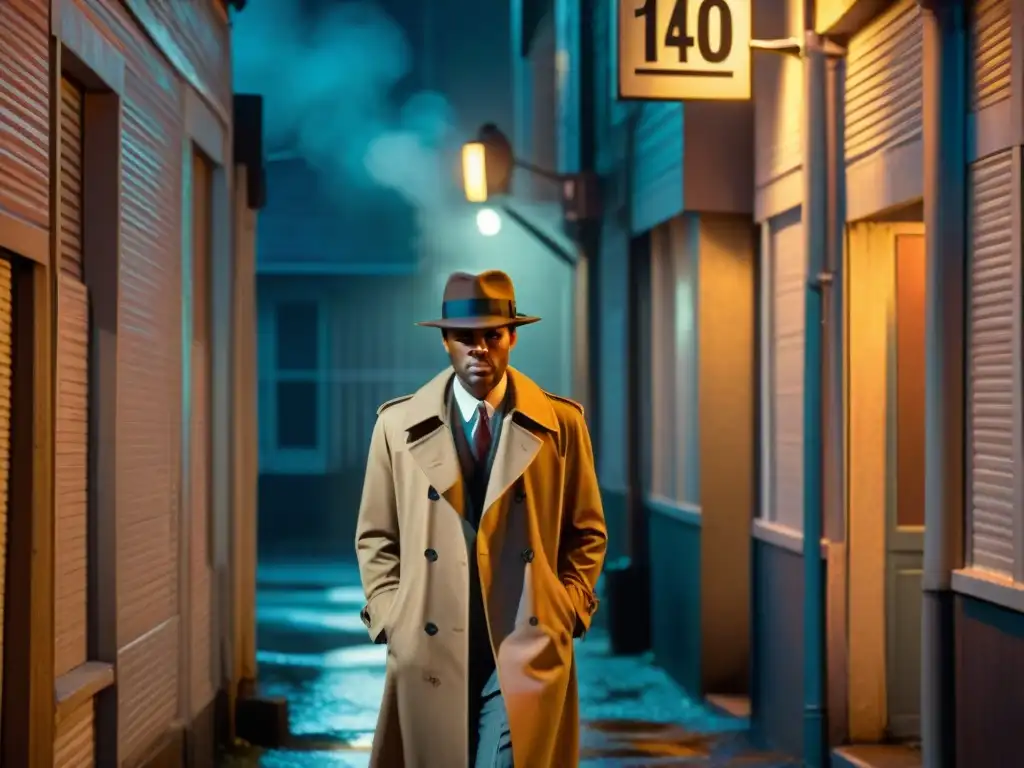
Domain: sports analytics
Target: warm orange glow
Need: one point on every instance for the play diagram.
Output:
(474, 172)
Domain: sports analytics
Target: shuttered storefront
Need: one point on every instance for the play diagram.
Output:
(993, 388)
(883, 82)
(199, 479)
(788, 276)
(24, 74)
(6, 371)
(71, 468)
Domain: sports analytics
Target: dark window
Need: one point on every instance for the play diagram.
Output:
(298, 336)
(297, 403)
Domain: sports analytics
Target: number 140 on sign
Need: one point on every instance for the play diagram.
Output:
(684, 50)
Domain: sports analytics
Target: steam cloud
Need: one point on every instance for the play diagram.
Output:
(328, 75)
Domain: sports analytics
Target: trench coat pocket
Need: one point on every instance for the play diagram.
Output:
(376, 615)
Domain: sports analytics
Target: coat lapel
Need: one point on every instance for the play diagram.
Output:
(430, 441)
(518, 445)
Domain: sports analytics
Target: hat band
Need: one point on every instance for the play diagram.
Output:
(461, 308)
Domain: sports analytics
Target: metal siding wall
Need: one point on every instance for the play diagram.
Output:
(613, 283)
(6, 370)
(543, 146)
(657, 166)
(149, 393)
(197, 40)
(990, 52)
(72, 419)
(24, 79)
(567, 74)
(74, 746)
(992, 386)
(883, 82)
(788, 275)
(71, 179)
(778, 94)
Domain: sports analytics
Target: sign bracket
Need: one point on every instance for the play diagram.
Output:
(794, 46)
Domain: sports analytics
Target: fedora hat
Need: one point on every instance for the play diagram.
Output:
(487, 300)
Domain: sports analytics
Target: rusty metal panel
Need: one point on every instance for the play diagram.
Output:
(883, 82)
(71, 98)
(990, 52)
(75, 744)
(788, 275)
(992, 347)
(72, 476)
(25, 121)
(6, 370)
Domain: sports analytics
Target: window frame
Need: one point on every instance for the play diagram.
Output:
(273, 458)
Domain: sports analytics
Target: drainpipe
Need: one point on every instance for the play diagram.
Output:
(815, 217)
(944, 109)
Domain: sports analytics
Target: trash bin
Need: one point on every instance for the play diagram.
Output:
(627, 591)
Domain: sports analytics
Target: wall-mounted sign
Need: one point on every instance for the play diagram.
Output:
(684, 50)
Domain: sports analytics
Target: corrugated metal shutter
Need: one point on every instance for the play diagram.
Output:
(993, 345)
(199, 477)
(990, 52)
(883, 82)
(657, 166)
(788, 274)
(72, 427)
(6, 369)
(24, 79)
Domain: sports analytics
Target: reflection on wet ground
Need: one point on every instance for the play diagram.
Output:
(314, 651)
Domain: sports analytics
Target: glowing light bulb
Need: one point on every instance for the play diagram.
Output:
(488, 222)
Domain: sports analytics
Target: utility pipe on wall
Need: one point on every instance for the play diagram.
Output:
(945, 211)
(815, 222)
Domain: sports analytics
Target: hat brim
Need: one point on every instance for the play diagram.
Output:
(478, 323)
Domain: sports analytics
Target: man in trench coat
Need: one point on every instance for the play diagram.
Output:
(480, 539)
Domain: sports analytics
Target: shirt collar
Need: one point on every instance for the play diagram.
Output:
(468, 404)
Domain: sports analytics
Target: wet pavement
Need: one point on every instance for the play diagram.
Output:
(314, 650)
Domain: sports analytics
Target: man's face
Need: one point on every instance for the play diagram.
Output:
(479, 357)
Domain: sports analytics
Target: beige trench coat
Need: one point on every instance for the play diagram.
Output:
(540, 548)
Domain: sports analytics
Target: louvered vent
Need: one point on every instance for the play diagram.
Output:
(990, 53)
(992, 347)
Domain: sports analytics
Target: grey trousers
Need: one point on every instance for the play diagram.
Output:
(491, 742)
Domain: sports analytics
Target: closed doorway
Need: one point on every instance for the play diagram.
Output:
(885, 409)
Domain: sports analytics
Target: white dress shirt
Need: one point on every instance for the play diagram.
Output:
(469, 405)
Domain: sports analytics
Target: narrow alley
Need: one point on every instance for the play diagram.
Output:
(313, 650)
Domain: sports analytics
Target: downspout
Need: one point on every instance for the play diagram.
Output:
(944, 117)
(815, 217)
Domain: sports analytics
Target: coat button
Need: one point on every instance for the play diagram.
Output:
(432, 494)
(527, 555)
(534, 621)
(430, 628)
(431, 555)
